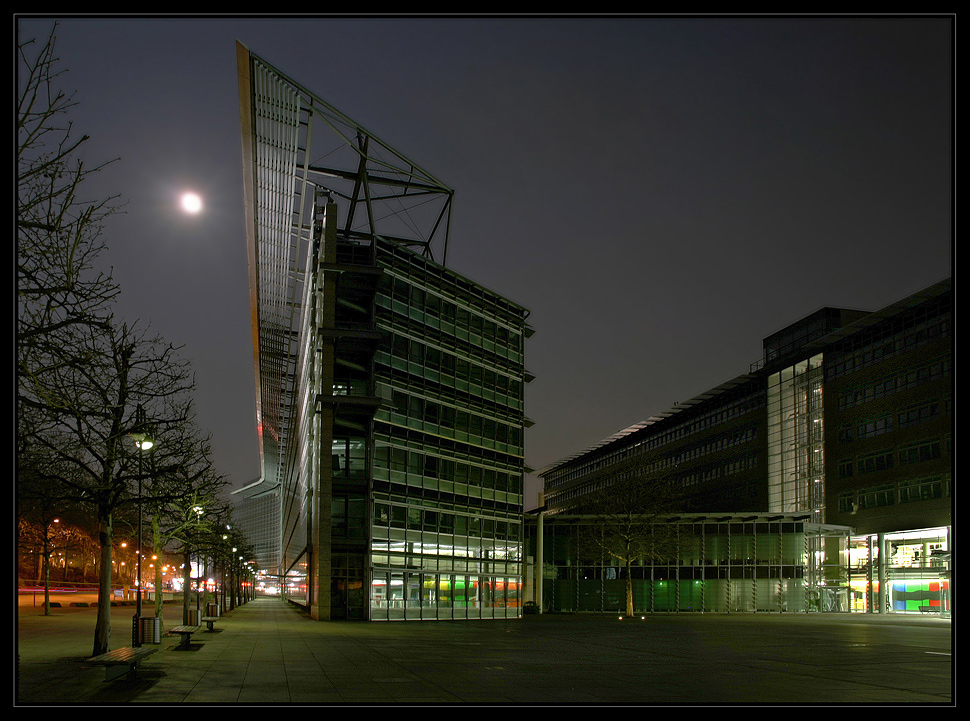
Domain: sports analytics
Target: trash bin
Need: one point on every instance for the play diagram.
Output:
(195, 617)
(151, 629)
(212, 609)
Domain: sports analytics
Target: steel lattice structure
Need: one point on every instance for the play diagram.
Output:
(295, 147)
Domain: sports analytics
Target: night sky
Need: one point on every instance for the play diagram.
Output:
(661, 193)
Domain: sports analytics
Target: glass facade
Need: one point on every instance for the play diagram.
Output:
(796, 439)
(389, 389)
(257, 514)
(448, 464)
(746, 563)
(406, 499)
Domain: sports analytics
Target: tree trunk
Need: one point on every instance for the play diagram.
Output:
(102, 629)
(186, 584)
(629, 589)
(232, 585)
(47, 574)
(156, 544)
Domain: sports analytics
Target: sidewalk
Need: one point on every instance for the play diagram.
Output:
(268, 653)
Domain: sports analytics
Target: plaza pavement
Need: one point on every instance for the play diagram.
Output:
(266, 653)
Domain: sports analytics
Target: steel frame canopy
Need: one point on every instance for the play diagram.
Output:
(295, 148)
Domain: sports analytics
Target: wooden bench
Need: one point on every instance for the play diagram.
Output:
(121, 661)
(186, 633)
(210, 622)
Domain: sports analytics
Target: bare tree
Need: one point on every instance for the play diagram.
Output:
(237, 557)
(42, 538)
(61, 295)
(628, 514)
(84, 418)
(200, 534)
(58, 230)
(42, 514)
(86, 383)
(183, 500)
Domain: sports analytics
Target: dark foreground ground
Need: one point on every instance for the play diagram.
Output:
(267, 653)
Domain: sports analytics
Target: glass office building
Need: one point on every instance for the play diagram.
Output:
(448, 445)
(390, 389)
(846, 422)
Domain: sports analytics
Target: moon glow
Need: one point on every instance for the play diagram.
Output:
(191, 203)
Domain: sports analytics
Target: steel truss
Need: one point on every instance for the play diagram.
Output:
(299, 152)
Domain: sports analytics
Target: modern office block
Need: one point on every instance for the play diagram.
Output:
(846, 422)
(448, 445)
(390, 389)
(889, 417)
(711, 449)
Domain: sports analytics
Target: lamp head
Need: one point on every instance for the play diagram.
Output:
(142, 440)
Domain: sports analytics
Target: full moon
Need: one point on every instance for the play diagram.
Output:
(191, 203)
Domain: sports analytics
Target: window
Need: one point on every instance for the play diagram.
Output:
(877, 497)
(921, 489)
(349, 456)
(875, 427)
(847, 502)
(881, 461)
(845, 434)
(927, 450)
(414, 519)
(348, 516)
(921, 413)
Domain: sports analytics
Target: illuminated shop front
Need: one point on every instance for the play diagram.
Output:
(399, 595)
(916, 574)
(438, 563)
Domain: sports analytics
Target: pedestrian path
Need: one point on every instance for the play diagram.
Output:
(263, 652)
(266, 652)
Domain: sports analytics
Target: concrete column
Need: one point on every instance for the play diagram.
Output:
(540, 551)
(883, 591)
(321, 513)
(870, 597)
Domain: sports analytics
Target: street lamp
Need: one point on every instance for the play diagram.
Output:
(144, 442)
(47, 551)
(223, 560)
(199, 565)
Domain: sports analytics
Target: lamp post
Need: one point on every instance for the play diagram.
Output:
(223, 560)
(144, 442)
(47, 551)
(233, 579)
(199, 566)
